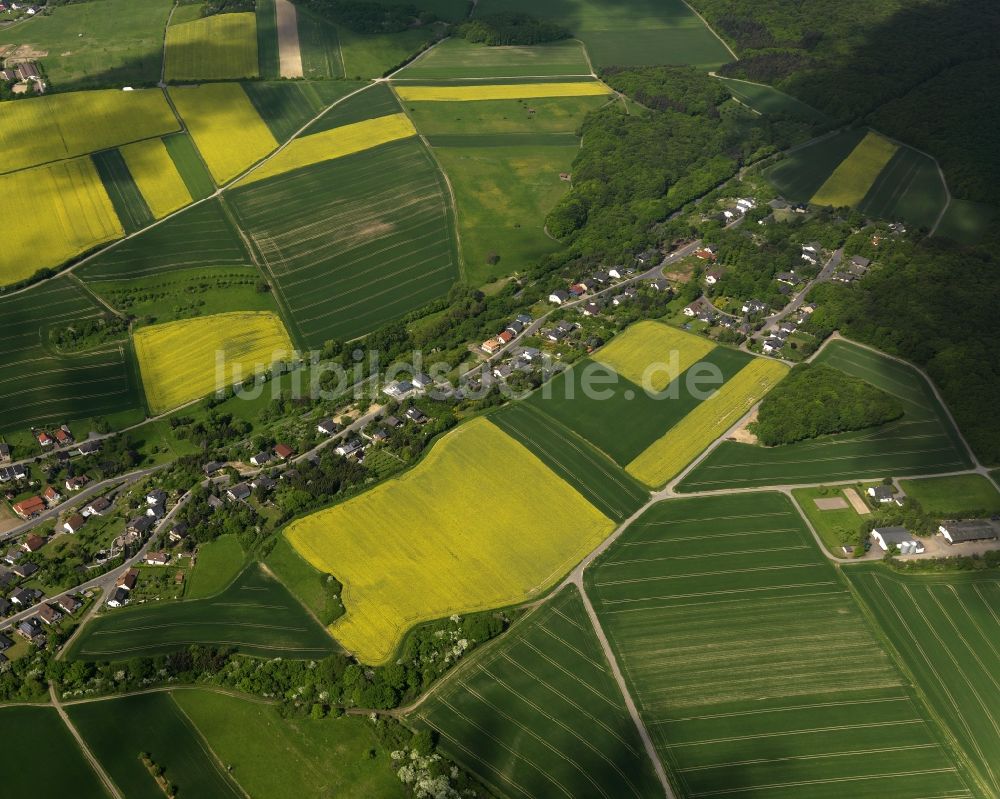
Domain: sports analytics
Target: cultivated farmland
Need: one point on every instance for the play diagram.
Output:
(38, 383)
(458, 58)
(539, 714)
(56, 126)
(219, 47)
(922, 441)
(71, 211)
(910, 188)
(255, 614)
(652, 355)
(665, 458)
(225, 126)
(849, 182)
(126, 199)
(420, 547)
(334, 143)
(193, 171)
(549, 120)
(362, 239)
(799, 175)
(375, 101)
(750, 663)
(957, 496)
(499, 91)
(286, 105)
(154, 173)
(319, 46)
(945, 629)
(768, 100)
(184, 360)
(27, 766)
(118, 730)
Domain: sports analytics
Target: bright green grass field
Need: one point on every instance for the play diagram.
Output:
(361, 240)
(256, 614)
(367, 56)
(60, 387)
(769, 100)
(457, 58)
(35, 737)
(99, 43)
(949, 497)
(539, 714)
(118, 730)
(835, 527)
(945, 628)
(628, 420)
(277, 757)
(191, 168)
(798, 175)
(751, 664)
(923, 441)
(304, 581)
(480, 118)
(909, 189)
(605, 484)
(966, 222)
(503, 195)
(219, 562)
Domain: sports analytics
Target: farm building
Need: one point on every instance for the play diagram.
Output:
(972, 530)
(888, 537)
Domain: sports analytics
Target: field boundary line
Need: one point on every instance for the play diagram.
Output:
(85, 750)
(711, 30)
(216, 761)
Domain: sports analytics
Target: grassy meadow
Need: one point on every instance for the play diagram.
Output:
(414, 548)
(922, 441)
(768, 100)
(951, 497)
(752, 666)
(156, 176)
(309, 585)
(219, 562)
(539, 713)
(365, 56)
(836, 527)
(219, 47)
(255, 614)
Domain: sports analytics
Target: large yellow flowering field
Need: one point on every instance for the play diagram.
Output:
(501, 91)
(154, 173)
(663, 350)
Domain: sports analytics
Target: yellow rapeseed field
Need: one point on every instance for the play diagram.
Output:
(849, 183)
(663, 350)
(335, 143)
(479, 523)
(56, 126)
(70, 212)
(182, 361)
(504, 91)
(154, 173)
(229, 132)
(219, 47)
(666, 457)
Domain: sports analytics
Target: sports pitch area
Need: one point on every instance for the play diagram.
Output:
(945, 629)
(256, 614)
(922, 441)
(539, 714)
(38, 384)
(458, 58)
(424, 546)
(750, 663)
(117, 730)
(361, 240)
(219, 47)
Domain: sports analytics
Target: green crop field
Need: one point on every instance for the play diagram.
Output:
(966, 222)
(945, 629)
(192, 169)
(608, 488)
(123, 191)
(481, 118)
(768, 100)
(34, 738)
(309, 585)
(923, 441)
(218, 47)
(267, 40)
(837, 526)
(118, 730)
(374, 102)
(631, 32)
(219, 562)
(99, 43)
(361, 240)
(256, 614)
(41, 385)
(365, 56)
(799, 175)
(287, 106)
(627, 421)
(319, 46)
(539, 714)
(958, 496)
(910, 189)
(457, 58)
(292, 758)
(750, 663)
(503, 195)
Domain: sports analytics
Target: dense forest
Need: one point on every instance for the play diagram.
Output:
(816, 400)
(498, 30)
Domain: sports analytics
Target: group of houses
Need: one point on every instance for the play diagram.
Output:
(24, 77)
(854, 269)
(737, 210)
(602, 279)
(508, 334)
(778, 336)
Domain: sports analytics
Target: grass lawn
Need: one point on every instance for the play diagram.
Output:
(218, 563)
(35, 738)
(836, 527)
(458, 58)
(277, 757)
(960, 496)
(307, 584)
(99, 43)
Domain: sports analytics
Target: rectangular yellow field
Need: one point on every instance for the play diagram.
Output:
(225, 126)
(652, 355)
(184, 360)
(335, 143)
(479, 523)
(220, 47)
(849, 183)
(665, 458)
(57, 126)
(510, 91)
(157, 177)
(70, 212)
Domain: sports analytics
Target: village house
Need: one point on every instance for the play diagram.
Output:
(212, 467)
(349, 448)
(214, 503)
(621, 272)
(158, 558)
(660, 284)
(76, 483)
(49, 614)
(51, 496)
(713, 276)
(25, 597)
(398, 389)
(4, 453)
(883, 494)
(283, 451)
(261, 458)
(69, 604)
(392, 422)
(25, 569)
(889, 537)
(423, 381)
(754, 307)
(140, 525)
(98, 507)
(33, 543)
(263, 483)
(119, 598)
(44, 439)
(772, 344)
(491, 347)
(328, 427)
(15, 472)
(416, 415)
(239, 492)
(557, 297)
(178, 533)
(127, 580)
(29, 508)
(591, 309)
(972, 530)
(32, 630)
(860, 262)
(74, 523)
